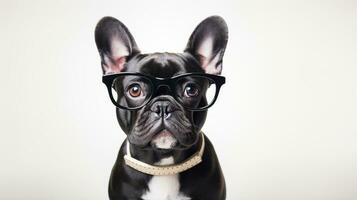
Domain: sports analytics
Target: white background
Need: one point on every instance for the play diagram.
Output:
(284, 125)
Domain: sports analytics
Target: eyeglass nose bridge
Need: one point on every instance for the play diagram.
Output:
(163, 89)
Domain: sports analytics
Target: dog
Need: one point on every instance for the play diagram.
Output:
(161, 104)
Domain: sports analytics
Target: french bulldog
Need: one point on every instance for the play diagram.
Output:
(161, 105)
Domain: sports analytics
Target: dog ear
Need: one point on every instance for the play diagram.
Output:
(115, 44)
(208, 43)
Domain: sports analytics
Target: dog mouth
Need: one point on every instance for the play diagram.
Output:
(164, 139)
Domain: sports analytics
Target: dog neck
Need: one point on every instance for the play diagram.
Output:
(183, 159)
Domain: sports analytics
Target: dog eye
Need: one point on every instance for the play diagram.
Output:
(134, 90)
(191, 90)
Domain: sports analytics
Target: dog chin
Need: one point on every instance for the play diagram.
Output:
(164, 140)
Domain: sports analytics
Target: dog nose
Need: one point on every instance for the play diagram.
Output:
(162, 108)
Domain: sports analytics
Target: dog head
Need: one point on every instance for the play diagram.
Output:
(161, 119)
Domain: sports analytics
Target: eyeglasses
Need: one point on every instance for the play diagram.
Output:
(194, 91)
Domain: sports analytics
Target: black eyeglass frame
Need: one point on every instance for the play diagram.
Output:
(157, 82)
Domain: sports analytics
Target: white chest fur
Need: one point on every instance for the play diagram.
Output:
(164, 187)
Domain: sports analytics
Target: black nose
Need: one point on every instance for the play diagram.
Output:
(162, 108)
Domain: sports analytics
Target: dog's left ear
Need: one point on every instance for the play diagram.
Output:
(208, 42)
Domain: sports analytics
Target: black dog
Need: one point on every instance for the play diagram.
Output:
(162, 105)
